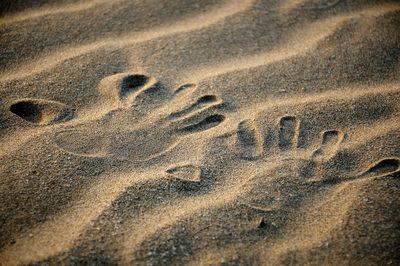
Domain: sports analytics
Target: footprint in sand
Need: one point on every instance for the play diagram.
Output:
(294, 173)
(145, 121)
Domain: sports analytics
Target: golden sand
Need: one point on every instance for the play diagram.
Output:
(207, 132)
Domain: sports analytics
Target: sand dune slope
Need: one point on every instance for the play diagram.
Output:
(200, 132)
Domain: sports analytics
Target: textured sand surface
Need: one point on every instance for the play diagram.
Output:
(233, 132)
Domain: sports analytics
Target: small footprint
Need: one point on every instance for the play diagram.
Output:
(41, 112)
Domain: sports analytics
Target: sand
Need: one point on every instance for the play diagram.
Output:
(244, 132)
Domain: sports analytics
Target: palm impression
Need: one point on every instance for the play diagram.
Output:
(144, 121)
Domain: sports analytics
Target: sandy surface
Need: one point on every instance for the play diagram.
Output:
(243, 132)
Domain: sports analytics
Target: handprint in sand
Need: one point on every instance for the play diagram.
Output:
(292, 172)
(145, 121)
(133, 124)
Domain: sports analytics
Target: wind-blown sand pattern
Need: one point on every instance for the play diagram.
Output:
(200, 132)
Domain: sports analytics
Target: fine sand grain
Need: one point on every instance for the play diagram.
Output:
(205, 132)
